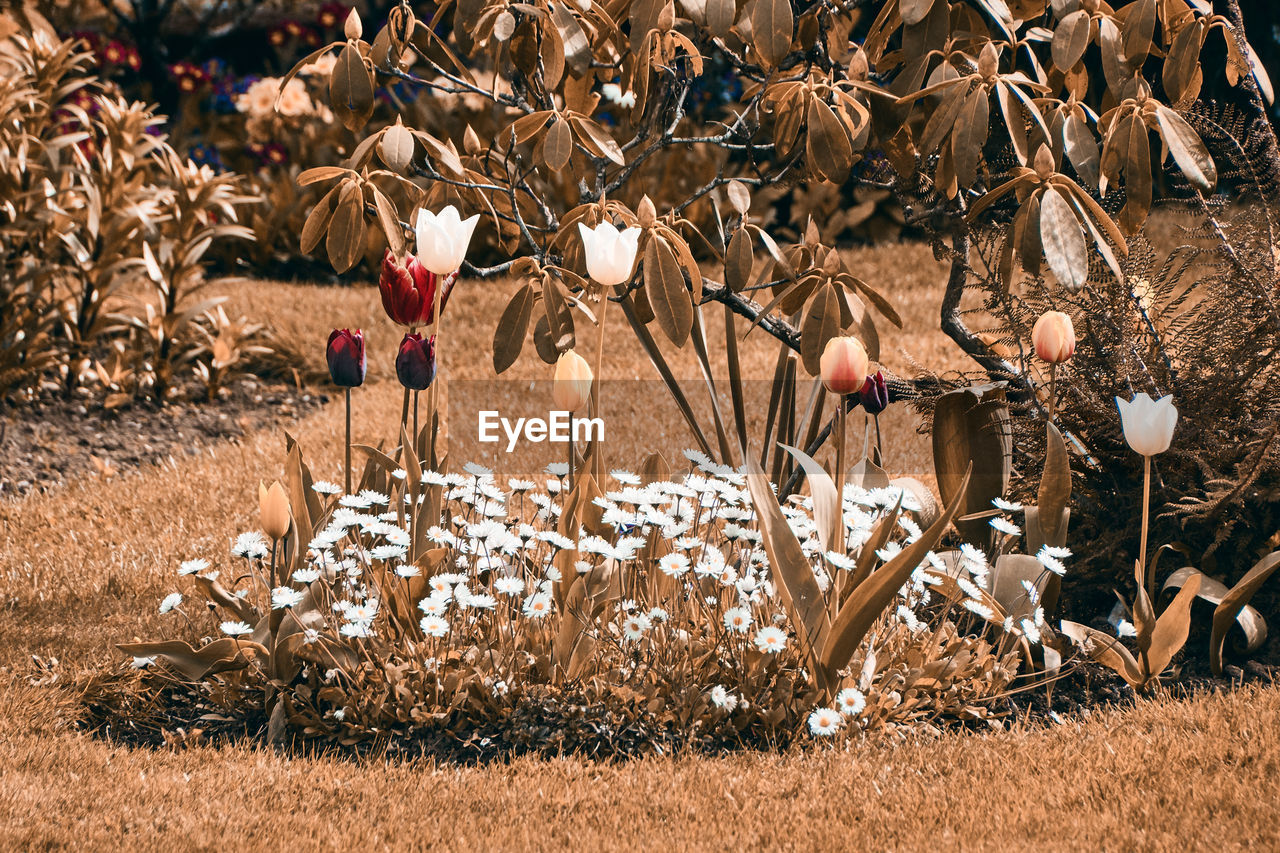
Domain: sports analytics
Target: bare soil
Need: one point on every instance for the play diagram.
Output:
(48, 442)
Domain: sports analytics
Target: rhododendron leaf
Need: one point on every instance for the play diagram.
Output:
(513, 326)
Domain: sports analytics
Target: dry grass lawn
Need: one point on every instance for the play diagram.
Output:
(85, 566)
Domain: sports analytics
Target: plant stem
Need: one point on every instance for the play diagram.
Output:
(879, 446)
(1146, 501)
(414, 438)
(1053, 388)
(348, 482)
(841, 418)
(595, 385)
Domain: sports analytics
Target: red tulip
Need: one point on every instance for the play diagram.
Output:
(409, 290)
(346, 357)
(875, 394)
(416, 362)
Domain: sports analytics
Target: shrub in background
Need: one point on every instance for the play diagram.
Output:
(105, 232)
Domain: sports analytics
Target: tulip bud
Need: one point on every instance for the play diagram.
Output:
(346, 358)
(443, 239)
(1054, 337)
(843, 366)
(571, 387)
(875, 394)
(273, 510)
(408, 291)
(353, 29)
(611, 254)
(416, 362)
(1148, 424)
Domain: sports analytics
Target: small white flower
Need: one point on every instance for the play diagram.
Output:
(235, 629)
(433, 605)
(538, 605)
(557, 469)
(1006, 506)
(770, 640)
(478, 471)
(978, 608)
(738, 620)
(508, 585)
(307, 575)
(824, 722)
(191, 567)
(722, 698)
(324, 487)
(1006, 527)
(171, 601)
(1126, 629)
(674, 564)
(851, 702)
(634, 626)
(434, 626)
(143, 662)
(624, 477)
(357, 630)
(285, 598)
(657, 614)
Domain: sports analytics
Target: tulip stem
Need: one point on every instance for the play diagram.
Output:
(841, 418)
(1053, 388)
(414, 439)
(1146, 502)
(348, 483)
(404, 410)
(879, 446)
(595, 386)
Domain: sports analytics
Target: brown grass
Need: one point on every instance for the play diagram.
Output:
(84, 566)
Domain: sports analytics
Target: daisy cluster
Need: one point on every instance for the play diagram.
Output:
(685, 557)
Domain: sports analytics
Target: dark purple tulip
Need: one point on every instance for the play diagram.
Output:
(875, 394)
(416, 362)
(346, 358)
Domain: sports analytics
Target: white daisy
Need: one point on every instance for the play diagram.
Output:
(285, 598)
(634, 626)
(434, 626)
(738, 620)
(324, 487)
(770, 640)
(171, 601)
(722, 698)
(824, 722)
(851, 702)
(538, 605)
(674, 565)
(235, 629)
(191, 567)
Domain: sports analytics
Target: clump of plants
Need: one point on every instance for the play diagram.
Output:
(106, 232)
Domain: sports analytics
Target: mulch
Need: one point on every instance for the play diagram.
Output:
(51, 440)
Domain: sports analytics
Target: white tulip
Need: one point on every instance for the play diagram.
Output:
(611, 254)
(443, 239)
(1148, 424)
